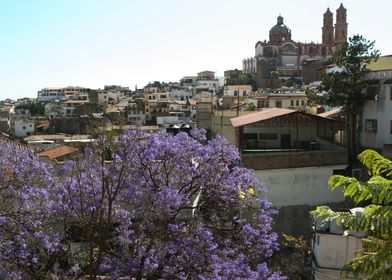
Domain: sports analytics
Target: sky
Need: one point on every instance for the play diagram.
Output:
(92, 43)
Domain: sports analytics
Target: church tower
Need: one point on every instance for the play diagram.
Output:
(341, 26)
(327, 28)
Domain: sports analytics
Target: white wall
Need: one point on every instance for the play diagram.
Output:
(167, 120)
(380, 110)
(44, 96)
(334, 251)
(242, 90)
(299, 186)
(23, 128)
(259, 50)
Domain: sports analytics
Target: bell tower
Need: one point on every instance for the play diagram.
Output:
(327, 29)
(341, 26)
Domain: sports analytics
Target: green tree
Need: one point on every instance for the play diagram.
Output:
(375, 258)
(345, 86)
(36, 109)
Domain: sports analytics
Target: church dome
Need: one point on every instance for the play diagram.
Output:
(280, 27)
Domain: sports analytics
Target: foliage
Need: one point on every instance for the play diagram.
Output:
(376, 256)
(292, 258)
(344, 85)
(251, 107)
(247, 79)
(293, 82)
(36, 109)
(148, 206)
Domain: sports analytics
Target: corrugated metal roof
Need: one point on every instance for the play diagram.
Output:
(263, 115)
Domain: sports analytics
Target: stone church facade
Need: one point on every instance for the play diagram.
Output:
(281, 58)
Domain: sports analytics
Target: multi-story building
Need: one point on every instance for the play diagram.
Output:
(376, 121)
(5, 114)
(136, 113)
(233, 77)
(289, 99)
(204, 81)
(281, 58)
(238, 90)
(21, 124)
(294, 153)
(51, 93)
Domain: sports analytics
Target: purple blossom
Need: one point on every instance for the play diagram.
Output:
(136, 205)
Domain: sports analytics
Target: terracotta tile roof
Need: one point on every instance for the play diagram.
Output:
(260, 116)
(45, 137)
(55, 137)
(57, 152)
(17, 146)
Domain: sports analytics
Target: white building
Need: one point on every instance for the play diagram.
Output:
(181, 94)
(297, 100)
(238, 90)
(51, 93)
(293, 153)
(135, 114)
(376, 121)
(332, 247)
(21, 124)
(204, 81)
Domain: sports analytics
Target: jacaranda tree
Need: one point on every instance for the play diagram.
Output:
(138, 205)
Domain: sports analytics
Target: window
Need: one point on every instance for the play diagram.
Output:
(250, 136)
(278, 104)
(244, 93)
(264, 104)
(291, 102)
(302, 102)
(296, 102)
(339, 172)
(268, 136)
(371, 126)
(372, 90)
(236, 93)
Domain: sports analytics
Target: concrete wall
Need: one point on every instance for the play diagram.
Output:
(296, 191)
(265, 161)
(23, 128)
(334, 251)
(300, 186)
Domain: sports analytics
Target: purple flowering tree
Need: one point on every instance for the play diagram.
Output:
(137, 205)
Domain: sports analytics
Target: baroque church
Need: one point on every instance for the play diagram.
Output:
(281, 58)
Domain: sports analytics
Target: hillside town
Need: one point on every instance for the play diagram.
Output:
(292, 143)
